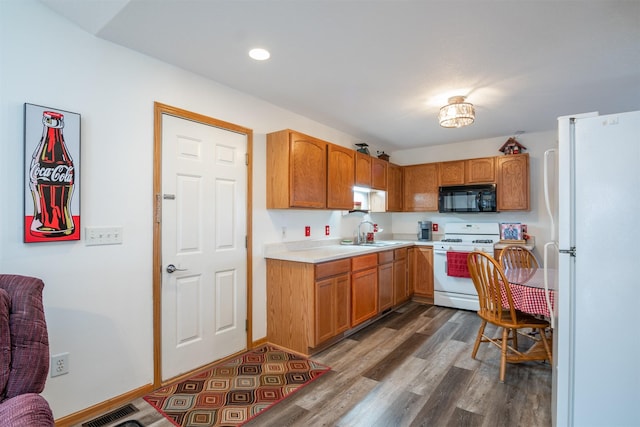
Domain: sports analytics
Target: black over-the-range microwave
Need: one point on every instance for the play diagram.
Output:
(467, 198)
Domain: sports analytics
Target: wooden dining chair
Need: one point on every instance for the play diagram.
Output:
(489, 279)
(517, 256)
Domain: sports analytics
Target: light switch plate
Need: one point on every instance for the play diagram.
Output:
(103, 236)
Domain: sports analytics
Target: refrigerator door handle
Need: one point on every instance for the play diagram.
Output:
(547, 203)
(552, 313)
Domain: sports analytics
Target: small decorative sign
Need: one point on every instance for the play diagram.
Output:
(511, 231)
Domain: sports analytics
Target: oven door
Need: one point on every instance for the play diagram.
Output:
(449, 291)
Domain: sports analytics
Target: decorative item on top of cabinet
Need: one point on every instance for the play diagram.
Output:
(512, 146)
(394, 188)
(296, 171)
(421, 272)
(364, 288)
(363, 148)
(512, 182)
(363, 170)
(420, 187)
(340, 177)
(382, 155)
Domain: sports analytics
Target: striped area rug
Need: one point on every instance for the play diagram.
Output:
(232, 393)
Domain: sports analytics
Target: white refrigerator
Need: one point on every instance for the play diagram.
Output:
(596, 215)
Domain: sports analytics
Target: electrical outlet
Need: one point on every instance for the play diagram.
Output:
(327, 230)
(307, 231)
(284, 233)
(59, 364)
(103, 236)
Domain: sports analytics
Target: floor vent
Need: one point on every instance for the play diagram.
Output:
(112, 416)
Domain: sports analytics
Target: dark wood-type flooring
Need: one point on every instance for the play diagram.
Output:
(414, 368)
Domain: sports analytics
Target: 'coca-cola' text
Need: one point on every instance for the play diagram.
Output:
(59, 173)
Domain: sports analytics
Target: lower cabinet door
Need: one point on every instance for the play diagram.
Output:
(332, 302)
(364, 295)
(385, 286)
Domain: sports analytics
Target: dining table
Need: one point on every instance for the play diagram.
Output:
(529, 295)
(528, 290)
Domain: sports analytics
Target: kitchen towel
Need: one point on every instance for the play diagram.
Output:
(457, 264)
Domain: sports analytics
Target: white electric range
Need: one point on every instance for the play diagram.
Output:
(459, 292)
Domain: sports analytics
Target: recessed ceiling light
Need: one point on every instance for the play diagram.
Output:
(259, 54)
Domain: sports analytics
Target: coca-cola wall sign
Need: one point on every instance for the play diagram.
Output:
(52, 174)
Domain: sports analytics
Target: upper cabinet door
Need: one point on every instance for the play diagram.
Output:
(480, 171)
(340, 177)
(379, 173)
(296, 171)
(421, 187)
(308, 172)
(394, 188)
(513, 182)
(363, 170)
(452, 173)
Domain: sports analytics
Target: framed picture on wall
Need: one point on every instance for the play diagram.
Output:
(51, 174)
(510, 231)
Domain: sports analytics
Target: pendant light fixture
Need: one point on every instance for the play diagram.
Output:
(457, 113)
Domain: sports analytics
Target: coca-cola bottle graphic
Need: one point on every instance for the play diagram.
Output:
(51, 180)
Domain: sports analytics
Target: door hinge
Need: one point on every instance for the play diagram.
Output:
(158, 209)
(246, 159)
(246, 242)
(246, 325)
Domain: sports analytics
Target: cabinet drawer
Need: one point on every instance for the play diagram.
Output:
(331, 268)
(385, 257)
(400, 253)
(364, 261)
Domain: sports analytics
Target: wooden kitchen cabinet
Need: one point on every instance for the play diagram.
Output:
(512, 182)
(385, 280)
(332, 307)
(394, 188)
(296, 171)
(452, 173)
(401, 289)
(421, 271)
(364, 288)
(420, 187)
(307, 304)
(379, 174)
(363, 169)
(340, 177)
(480, 171)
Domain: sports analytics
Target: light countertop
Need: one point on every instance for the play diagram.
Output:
(322, 251)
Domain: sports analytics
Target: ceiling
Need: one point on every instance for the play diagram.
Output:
(380, 70)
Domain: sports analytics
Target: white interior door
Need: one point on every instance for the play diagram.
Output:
(204, 182)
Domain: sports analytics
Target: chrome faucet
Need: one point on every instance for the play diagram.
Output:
(361, 238)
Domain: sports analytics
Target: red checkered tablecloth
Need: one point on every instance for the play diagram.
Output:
(529, 300)
(529, 296)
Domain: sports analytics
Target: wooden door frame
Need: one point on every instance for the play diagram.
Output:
(159, 110)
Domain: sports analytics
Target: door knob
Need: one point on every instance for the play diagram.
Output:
(171, 268)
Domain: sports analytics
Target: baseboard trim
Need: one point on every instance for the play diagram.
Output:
(106, 406)
(259, 342)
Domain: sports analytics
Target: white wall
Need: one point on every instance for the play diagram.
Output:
(98, 299)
